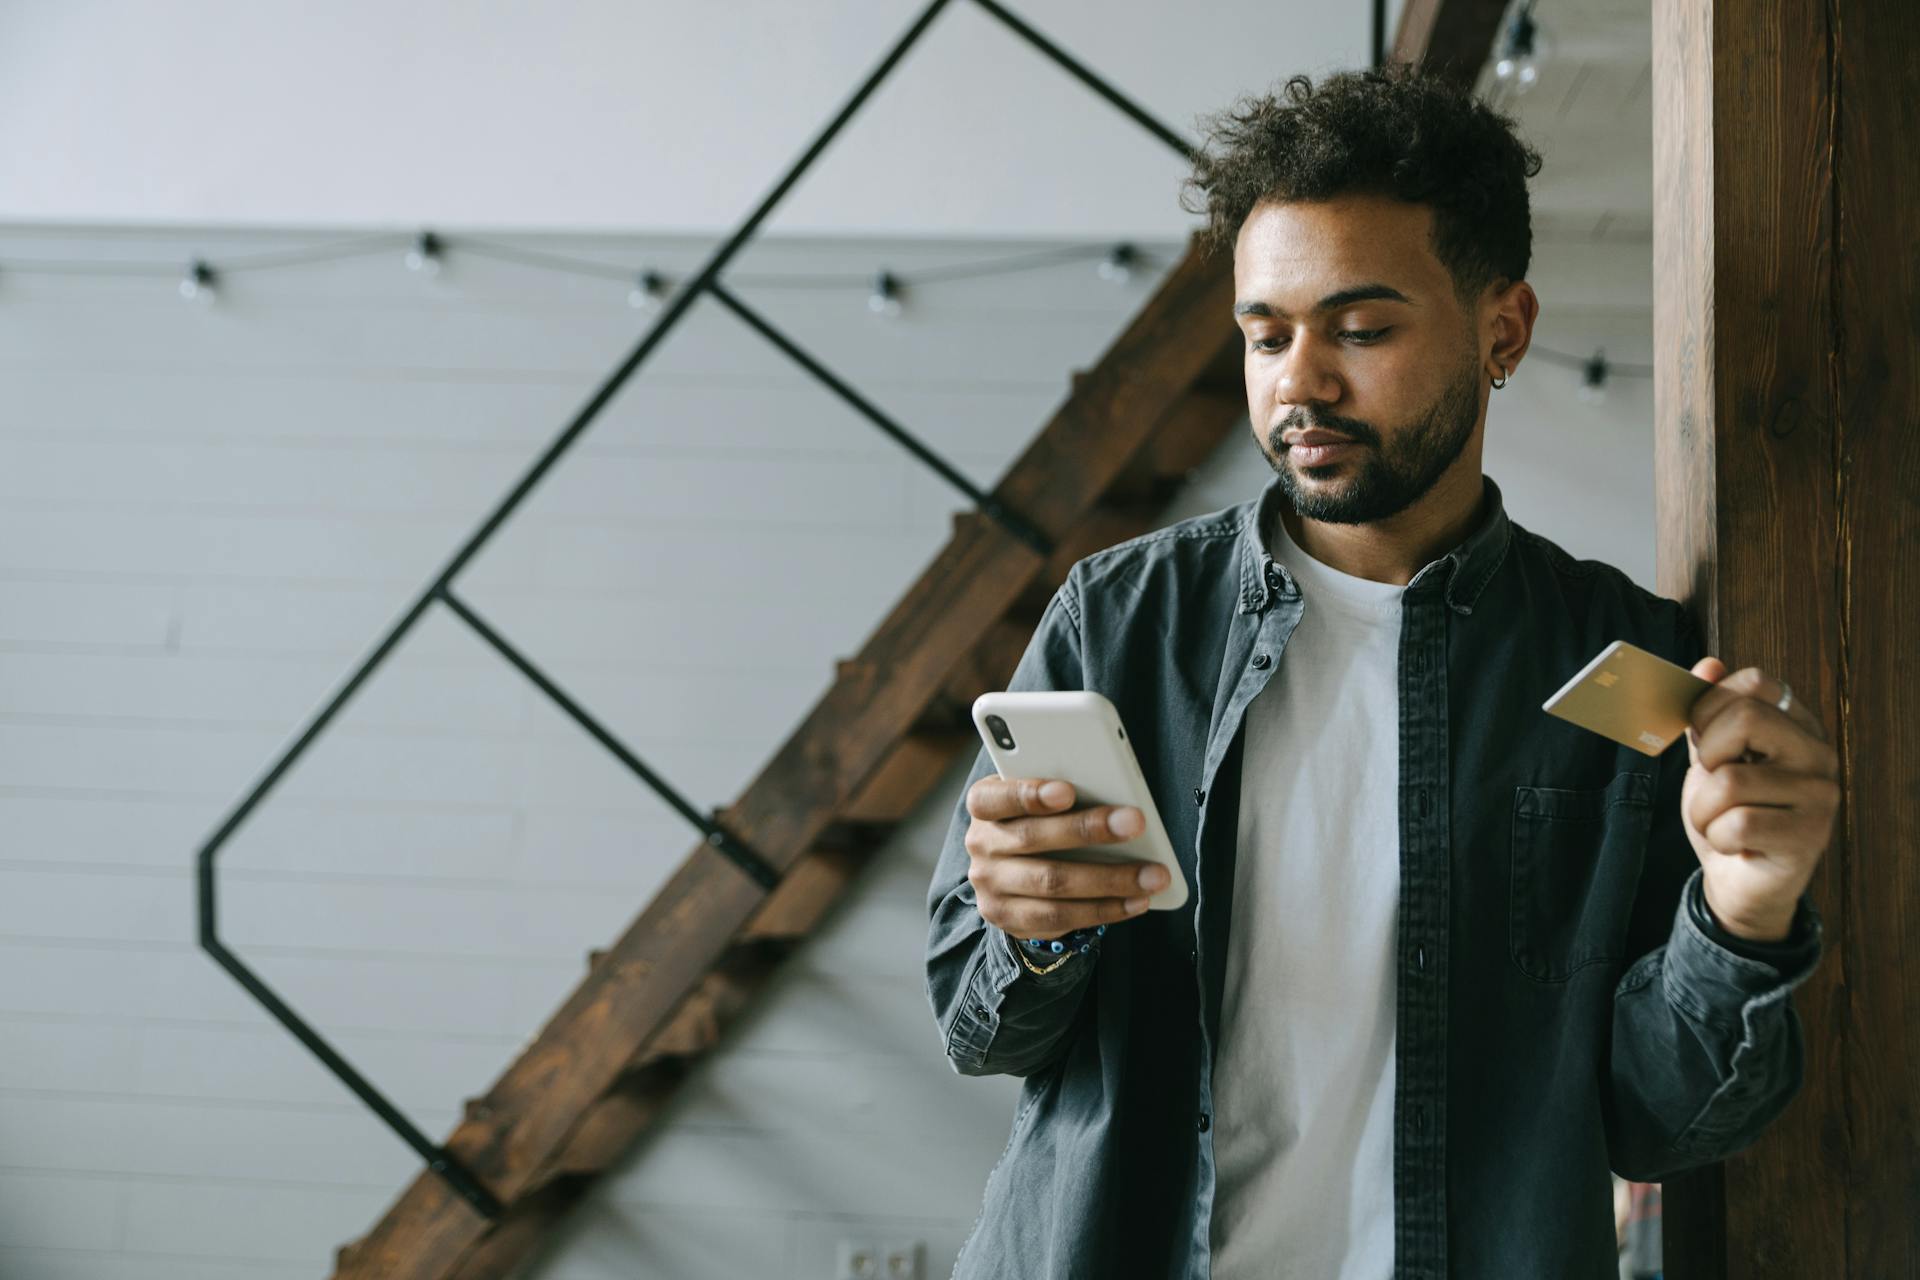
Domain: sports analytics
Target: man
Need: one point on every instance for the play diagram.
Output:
(1448, 958)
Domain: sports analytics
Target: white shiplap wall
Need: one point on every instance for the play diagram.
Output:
(208, 514)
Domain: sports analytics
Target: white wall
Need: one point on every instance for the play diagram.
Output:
(206, 515)
(611, 115)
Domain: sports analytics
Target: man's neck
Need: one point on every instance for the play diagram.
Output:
(1396, 549)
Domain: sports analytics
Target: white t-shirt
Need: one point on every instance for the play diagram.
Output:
(1303, 1077)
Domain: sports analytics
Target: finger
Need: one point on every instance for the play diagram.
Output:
(1051, 917)
(1102, 824)
(1769, 688)
(1059, 878)
(1782, 833)
(1749, 727)
(1759, 785)
(994, 798)
(1750, 682)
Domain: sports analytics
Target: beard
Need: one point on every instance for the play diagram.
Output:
(1381, 479)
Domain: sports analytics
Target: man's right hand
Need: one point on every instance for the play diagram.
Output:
(1015, 820)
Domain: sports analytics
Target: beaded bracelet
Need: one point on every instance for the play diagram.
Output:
(1079, 942)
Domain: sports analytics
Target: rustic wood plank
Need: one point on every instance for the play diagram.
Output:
(1743, 491)
(1733, 200)
(1787, 478)
(1875, 712)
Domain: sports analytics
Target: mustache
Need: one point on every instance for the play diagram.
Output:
(1352, 428)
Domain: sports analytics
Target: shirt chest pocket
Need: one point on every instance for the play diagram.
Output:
(1576, 855)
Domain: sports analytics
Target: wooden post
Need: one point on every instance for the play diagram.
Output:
(1786, 326)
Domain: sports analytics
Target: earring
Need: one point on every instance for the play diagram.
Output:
(1501, 381)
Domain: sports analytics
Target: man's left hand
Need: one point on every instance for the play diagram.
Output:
(1759, 801)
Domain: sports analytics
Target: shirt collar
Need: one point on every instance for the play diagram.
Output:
(1466, 569)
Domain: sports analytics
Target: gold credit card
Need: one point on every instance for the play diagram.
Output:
(1638, 699)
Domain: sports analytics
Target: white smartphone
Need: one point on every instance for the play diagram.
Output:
(1077, 736)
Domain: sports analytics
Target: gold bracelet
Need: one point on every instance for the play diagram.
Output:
(1050, 968)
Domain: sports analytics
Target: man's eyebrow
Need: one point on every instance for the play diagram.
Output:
(1332, 302)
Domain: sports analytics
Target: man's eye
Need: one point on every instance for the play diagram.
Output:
(1359, 336)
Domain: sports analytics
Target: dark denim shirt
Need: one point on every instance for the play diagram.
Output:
(1565, 1003)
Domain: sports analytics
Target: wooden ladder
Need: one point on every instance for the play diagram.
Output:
(593, 1080)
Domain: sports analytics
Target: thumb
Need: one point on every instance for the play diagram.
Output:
(1712, 670)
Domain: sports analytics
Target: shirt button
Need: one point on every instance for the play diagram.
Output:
(1206, 1122)
(1261, 661)
(1420, 1119)
(1420, 958)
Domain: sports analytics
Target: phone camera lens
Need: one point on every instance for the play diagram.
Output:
(998, 728)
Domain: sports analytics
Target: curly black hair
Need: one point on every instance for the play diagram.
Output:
(1397, 131)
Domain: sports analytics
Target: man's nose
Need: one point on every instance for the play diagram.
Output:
(1306, 375)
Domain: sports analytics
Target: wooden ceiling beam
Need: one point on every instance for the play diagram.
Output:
(1452, 37)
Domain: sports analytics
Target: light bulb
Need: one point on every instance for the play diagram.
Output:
(1518, 66)
(647, 291)
(199, 283)
(885, 298)
(1118, 265)
(1593, 379)
(424, 256)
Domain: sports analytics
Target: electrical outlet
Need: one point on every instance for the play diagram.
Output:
(903, 1260)
(858, 1260)
(881, 1260)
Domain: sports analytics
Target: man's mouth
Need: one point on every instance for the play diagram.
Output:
(1308, 455)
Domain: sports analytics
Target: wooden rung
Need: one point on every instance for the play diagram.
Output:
(696, 1026)
(1192, 430)
(809, 888)
(903, 779)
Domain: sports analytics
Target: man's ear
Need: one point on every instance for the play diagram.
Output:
(1508, 314)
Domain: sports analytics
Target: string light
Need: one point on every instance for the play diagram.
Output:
(1518, 66)
(1117, 266)
(1593, 378)
(202, 281)
(425, 255)
(648, 291)
(885, 298)
(199, 283)
(1596, 371)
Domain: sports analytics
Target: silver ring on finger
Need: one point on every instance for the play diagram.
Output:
(1786, 696)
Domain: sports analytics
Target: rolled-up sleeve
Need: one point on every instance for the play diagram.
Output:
(998, 1017)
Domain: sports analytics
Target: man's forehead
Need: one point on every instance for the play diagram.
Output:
(1293, 255)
